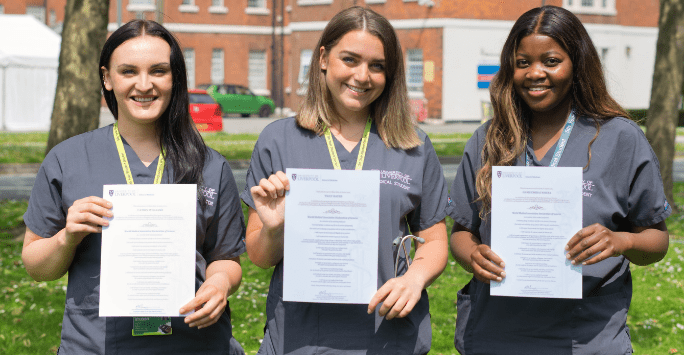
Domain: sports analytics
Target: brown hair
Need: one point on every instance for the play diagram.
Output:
(390, 111)
(507, 134)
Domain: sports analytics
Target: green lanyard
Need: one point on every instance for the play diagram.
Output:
(362, 148)
(124, 160)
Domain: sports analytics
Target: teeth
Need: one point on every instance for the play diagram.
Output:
(538, 89)
(356, 89)
(141, 99)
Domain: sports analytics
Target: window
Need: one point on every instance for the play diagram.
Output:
(141, 5)
(2, 9)
(217, 66)
(592, 7)
(52, 18)
(303, 78)
(217, 7)
(314, 2)
(189, 55)
(257, 72)
(257, 7)
(414, 70)
(188, 6)
(36, 11)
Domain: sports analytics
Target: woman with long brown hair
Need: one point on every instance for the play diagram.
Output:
(357, 99)
(552, 108)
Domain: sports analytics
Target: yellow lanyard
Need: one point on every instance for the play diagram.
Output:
(362, 148)
(124, 159)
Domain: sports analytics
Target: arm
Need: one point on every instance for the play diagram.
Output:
(223, 279)
(643, 246)
(49, 259)
(265, 226)
(475, 257)
(399, 295)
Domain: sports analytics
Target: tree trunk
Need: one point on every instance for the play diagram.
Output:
(668, 76)
(77, 98)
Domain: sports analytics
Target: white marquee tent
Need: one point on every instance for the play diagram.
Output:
(29, 57)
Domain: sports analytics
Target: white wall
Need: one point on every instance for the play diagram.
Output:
(469, 43)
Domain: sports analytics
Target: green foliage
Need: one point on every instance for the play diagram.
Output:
(11, 217)
(641, 115)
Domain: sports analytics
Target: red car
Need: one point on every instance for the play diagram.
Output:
(205, 112)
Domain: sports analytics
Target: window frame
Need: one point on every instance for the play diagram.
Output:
(596, 8)
(215, 67)
(413, 62)
(258, 84)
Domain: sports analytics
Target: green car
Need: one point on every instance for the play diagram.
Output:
(239, 99)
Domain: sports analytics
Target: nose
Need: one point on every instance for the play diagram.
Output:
(536, 71)
(143, 83)
(362, 73)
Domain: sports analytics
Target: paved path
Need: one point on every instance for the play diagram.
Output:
(18, 186)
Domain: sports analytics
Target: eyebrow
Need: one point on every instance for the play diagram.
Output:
(356, 55)
(161, 64)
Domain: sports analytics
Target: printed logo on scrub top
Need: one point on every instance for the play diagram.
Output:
(209, 194)
(395, 178)
(587, 188)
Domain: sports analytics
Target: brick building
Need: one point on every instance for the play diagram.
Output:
(451, 47)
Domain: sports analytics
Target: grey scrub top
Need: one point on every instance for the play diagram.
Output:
(77, 168)
(621, 188)
(413, 197)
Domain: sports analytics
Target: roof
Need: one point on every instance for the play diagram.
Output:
(25, 41)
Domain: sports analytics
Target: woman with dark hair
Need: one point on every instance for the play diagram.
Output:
(153, 141)
(358, 102)
(550, 93)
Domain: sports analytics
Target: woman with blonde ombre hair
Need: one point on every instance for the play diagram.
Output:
(357, 99)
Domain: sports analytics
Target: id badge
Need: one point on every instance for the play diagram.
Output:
(143, 326)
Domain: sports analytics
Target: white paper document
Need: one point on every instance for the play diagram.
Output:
(148, 250)
(331, 236)
(535, 212)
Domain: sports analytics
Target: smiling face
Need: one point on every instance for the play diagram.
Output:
(354, 73)
(139, 74)
(543, 75)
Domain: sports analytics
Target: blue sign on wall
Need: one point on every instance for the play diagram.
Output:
(485, 74)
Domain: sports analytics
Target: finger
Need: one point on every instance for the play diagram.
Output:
(97, 210)
(587, 243)
(597, 247)
(378, 297)
(88, 218)
(408, 308)
(487, 265)
(202, 316)
(605, 254)
(389, 302)
(269, 188)
(279, 187)
(195, 303)
(95, 200)
(494, 258)
(257, 192)
(283, 178)
(484, 275)
(210, 318)
(397, 307)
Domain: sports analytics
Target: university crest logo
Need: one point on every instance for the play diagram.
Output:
(111, 193)
(294, 177)
(498, 174)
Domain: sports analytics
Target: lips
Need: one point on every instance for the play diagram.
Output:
(143, 100)
(356, 89)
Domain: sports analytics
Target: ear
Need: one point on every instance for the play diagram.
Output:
(107, 79)
(323, 58)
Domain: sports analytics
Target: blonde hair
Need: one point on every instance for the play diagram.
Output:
(390, 111)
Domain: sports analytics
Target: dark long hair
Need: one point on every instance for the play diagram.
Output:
(508, 132)
(183, 146)
(390, 110)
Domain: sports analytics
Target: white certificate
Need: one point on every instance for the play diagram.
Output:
(535, 212)
(331, 236)
(148, 250)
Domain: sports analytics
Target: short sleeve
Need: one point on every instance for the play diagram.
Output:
(433, 200)
(646, 202)
(260, 167)
(45, 215)
(462, 207)
(225, 234)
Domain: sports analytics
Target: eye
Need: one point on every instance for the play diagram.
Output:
(128, 72)
(159, 71)
(349, 60)
(379, 67)
(552, 62)
(521, 63)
